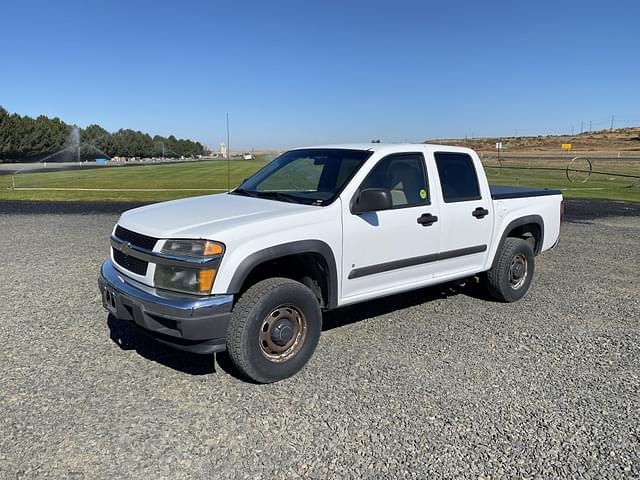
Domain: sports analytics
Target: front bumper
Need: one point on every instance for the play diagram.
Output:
(192, 323)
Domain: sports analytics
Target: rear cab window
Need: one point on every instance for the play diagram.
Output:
(458, 177)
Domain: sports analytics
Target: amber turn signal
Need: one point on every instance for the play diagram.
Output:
(212, 248)
(205, 280)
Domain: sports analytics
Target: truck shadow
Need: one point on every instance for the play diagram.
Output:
(382, 306)
(128, 337)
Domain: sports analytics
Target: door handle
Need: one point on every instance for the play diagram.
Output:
(480, 212)
(427, 219)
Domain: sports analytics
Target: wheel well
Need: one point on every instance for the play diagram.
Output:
(531, 232)
(310, 269)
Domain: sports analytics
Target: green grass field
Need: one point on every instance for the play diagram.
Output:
(145, 183)
(596, 186)
(180, 180)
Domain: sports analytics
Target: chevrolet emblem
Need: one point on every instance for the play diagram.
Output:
(125, 248)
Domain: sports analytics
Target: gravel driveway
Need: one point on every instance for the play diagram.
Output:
(437, 382)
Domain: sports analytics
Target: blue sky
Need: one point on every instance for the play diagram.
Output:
(307, 72)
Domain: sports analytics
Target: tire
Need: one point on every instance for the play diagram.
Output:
(506, 281)
(274, 329)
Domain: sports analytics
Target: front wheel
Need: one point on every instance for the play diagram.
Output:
(274, 329)
(512, 271)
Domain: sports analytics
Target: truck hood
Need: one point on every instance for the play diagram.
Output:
(199, 217)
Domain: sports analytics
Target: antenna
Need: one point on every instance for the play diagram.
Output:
(228, 155)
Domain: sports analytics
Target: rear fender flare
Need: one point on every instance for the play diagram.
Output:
(518, 222)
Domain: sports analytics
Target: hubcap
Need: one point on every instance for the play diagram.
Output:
(518, 271)
(282, 333)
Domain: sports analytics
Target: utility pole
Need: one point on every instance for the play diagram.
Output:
(612, 119)
(581, 126)
(590, 126)
(572, 130)
(228, 155)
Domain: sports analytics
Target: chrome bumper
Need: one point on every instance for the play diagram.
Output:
(195, 324)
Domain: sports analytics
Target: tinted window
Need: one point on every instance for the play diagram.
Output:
(312, 176)
(404, 176)
(300, 175)
(457, 177)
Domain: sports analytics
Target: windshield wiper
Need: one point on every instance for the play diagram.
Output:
(285, 197)
(248, 193)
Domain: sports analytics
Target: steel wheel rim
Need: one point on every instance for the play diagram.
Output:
(518, 271)
(282, 333)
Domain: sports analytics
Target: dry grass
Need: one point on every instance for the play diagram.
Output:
(624, 140)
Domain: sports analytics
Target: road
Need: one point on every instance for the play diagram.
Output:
(440, 382)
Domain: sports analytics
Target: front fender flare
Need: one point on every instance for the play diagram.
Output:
(277, 251)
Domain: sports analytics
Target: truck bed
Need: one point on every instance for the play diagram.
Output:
(501, 192)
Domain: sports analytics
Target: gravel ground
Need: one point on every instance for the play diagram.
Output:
(434, 383)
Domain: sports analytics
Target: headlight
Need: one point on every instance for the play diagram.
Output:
(186, 279)
(182, 279)
(193, 248)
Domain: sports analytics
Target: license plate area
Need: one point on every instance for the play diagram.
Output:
(110, 301)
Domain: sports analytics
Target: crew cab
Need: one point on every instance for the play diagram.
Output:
(250, 271)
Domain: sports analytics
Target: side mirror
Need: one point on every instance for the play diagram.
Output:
(372, 200)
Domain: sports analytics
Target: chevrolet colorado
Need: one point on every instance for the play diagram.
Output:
(251, 270)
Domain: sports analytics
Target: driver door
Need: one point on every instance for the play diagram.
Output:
(395, 249)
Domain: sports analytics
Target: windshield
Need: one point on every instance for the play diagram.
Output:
(312, 176)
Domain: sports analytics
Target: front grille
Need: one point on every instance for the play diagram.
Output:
(132, 264)
(137, 239)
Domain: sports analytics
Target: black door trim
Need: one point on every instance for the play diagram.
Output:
(410, 262)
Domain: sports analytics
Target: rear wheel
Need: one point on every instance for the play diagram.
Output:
(512, 271)
(274, 329)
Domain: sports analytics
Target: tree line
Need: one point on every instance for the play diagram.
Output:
(24, 139)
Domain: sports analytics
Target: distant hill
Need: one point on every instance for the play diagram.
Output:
(617, 140)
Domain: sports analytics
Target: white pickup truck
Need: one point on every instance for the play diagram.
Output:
(251, 271)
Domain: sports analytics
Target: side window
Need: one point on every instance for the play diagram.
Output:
(404, 175)
(457, 177)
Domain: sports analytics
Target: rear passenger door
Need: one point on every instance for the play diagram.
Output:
(465, 213)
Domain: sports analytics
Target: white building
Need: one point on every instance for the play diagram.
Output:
(223, 150)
